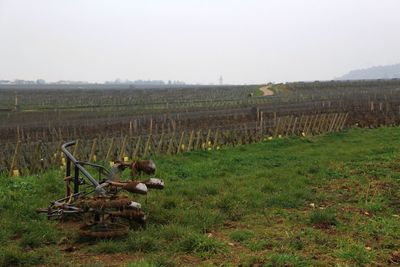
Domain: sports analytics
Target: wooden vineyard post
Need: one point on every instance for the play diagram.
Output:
(223, 140)
(261, 124)
(299, 128)
(214, 145)
(285, 126)
(108, 155)
(314, 123)
(321, 122)
(36, 158)
(180, 148)
(294, 126)
(137, 148)
(333, 122)
(189, 146)
(122, 151)
(151, 126)
(197, 140)
(208, 137)
(171, 144)
(258, 114)
(147, 146)
(344, 121)
(277, 127)
(237, 133)
(328, 124)
(160, 143)
(282, 125)
(93, 150)
(246, 135)
(18, 137)
(289, 126)
(313, 130)
(256, 123)
(173, 125)
(305, 125)
(14, 159)
(339, 122)
(308, 125)
(324, 121)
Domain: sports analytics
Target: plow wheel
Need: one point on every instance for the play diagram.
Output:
(103, 230)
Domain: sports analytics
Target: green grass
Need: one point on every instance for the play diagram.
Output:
(288, 202)
(241, 235)
(323, 218)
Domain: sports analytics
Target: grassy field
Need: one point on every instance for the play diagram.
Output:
(315, 201)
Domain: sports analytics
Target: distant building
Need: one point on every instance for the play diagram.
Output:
(18, 81)
(71, 82)
(137, 82)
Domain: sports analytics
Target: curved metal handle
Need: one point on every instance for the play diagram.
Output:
(66, 152)
(77, 164)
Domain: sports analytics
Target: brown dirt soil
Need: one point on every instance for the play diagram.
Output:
(87, 259)
(266, 91)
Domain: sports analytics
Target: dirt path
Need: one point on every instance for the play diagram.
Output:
(266, 91)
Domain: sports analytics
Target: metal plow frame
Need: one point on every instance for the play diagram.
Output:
(97, 203)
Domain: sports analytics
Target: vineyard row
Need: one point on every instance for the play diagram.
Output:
(33, 157)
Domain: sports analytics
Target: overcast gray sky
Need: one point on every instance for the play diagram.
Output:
(250, 41)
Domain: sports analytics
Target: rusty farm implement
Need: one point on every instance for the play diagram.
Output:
(102, 203)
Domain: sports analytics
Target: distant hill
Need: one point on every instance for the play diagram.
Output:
(378, 72)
